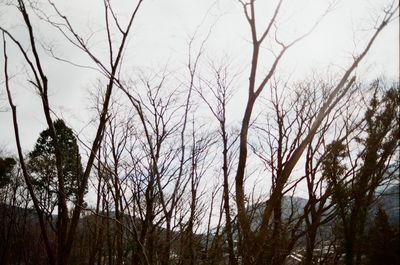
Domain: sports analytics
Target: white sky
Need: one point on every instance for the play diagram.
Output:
(161, 35)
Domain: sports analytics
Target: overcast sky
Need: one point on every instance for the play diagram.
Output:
(160, 37)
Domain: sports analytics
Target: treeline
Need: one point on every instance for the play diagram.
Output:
(163, 208)
(171, 177)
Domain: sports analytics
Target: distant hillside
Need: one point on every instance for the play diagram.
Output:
(389, 200)
(293, 207)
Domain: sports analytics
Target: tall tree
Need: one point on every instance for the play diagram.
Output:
(254, 241)
(42, 164)
(109, 68)
(354, 189)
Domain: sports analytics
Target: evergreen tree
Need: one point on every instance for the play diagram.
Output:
(6, 166)
(383, 242)
(42, 163)
(354, 191)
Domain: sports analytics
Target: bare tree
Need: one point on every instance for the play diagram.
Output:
(253, 242)
(220, 87)
(66, 227)
(153, 154)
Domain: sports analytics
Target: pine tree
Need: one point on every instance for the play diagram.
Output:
(383, 242)
(42, 163)
(354, 191)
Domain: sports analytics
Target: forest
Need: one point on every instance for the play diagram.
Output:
(212, 159)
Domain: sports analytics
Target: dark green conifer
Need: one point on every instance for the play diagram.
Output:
(42, 162)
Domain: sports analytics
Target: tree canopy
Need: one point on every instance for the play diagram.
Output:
(6, 166)
(42, 161)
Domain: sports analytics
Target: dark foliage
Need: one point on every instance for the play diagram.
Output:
(42, 163)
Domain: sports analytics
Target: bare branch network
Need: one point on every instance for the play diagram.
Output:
(206, 160)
